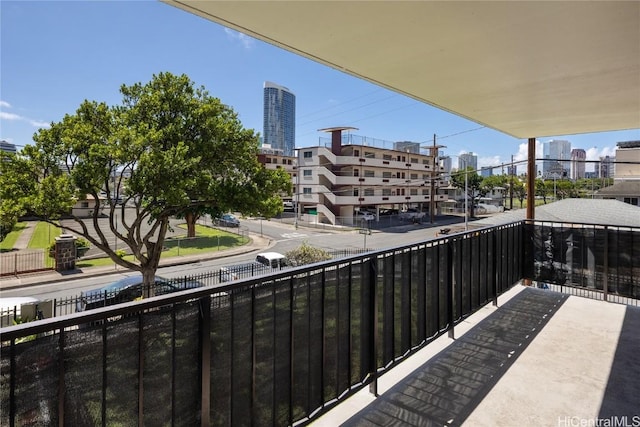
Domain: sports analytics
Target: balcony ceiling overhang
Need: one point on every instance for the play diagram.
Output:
(525, 68)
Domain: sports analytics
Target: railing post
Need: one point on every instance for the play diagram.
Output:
(605, 282)
(205, 360)
(450, 290)
(494, 276)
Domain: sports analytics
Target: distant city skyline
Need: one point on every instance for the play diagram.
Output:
(40, 85)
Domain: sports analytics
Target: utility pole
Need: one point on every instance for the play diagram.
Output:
(434, 174)
(511, 185)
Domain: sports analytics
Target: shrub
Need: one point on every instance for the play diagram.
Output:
(306, 254)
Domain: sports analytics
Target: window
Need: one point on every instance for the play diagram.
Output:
(413, 192)
(284, 161)
(386, 174)
(369, 174)
(369, 155)
(414, 160)
(356, 172)
(355, 192)
(307, 154)
(631, 200)
(84, 204)
(268, 160)
(386, 191)
(387, 157)
(306, 173)
(414, 176)
(368, 191)
(306, 190)
(356, 153)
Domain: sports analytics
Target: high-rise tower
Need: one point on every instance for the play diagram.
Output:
(279, 131)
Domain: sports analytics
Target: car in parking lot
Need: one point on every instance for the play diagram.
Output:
(228, 220)
(363, 215)
(128, 289)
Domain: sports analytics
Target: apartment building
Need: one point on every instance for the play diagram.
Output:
(273, 158)
(337, 179)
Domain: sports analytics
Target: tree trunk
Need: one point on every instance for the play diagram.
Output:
(148, 280)
(191, 219)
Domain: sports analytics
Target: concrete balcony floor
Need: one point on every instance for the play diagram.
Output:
(539, 359)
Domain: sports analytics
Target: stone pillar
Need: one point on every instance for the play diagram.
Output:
(65, 252)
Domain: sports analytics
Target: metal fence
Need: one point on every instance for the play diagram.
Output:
(596, 261)
(275, 349)
(27, 261)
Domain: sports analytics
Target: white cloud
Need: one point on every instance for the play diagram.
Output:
(10, 116)
(39, 124)
(490, 161)
(246, 41)
(4, 104)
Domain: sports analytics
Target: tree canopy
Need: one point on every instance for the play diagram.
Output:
(168, 149)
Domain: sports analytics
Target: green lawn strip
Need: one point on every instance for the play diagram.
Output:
(43, 235)
(10, 239)
(207, 240)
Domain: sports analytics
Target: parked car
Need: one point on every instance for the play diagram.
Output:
(227, 275)
(411, 213)
(272, 259)
(127, 289)
(362, 215)
(228, 220)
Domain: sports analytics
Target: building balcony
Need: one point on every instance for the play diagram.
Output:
(286, 348)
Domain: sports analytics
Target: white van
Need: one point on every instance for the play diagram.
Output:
(272, 259)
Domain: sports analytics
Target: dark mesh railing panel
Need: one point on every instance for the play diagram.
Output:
(157, 350)
(445, 261)
(221, 360)
(316, 341)
(36, 382)
(186, 376)
(263, 359)
(591, 259)
(432, 294)
(418, 291)
(386, 304)
(122, 368)
(282, 352)
(331, 333)
(242, 350)
(344, 308)
(300, 347)
(83, 370)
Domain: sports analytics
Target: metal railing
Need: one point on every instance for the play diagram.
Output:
(27, 261)
(275, 349)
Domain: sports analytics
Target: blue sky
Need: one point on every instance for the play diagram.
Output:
(56, 54)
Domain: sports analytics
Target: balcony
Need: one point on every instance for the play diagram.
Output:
(286, 348)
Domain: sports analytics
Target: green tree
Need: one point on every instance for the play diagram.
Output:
(474, 186)
(306, 254)
(520, 191)
(542, 190)
(14, 185)
(169, 149)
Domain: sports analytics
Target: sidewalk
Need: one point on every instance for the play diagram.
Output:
(22, 242)
(24, 280)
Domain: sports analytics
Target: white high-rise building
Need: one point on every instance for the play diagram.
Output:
(467, 159)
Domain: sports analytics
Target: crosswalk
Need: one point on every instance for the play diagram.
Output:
(293, 235)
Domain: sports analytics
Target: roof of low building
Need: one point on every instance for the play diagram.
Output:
(585, 211)
(621, 188)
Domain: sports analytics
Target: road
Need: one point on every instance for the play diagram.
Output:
(284, 237)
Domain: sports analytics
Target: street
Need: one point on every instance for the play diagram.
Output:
(283, 238)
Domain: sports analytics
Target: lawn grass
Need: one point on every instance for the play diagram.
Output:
(10, 240)
(43, 235)
(208, 240)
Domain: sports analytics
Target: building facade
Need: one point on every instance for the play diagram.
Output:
(279, 123)
(467, 159)
(336, 180)
(7, 147)
(557, 158)
(626, 174)
(578, 157)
